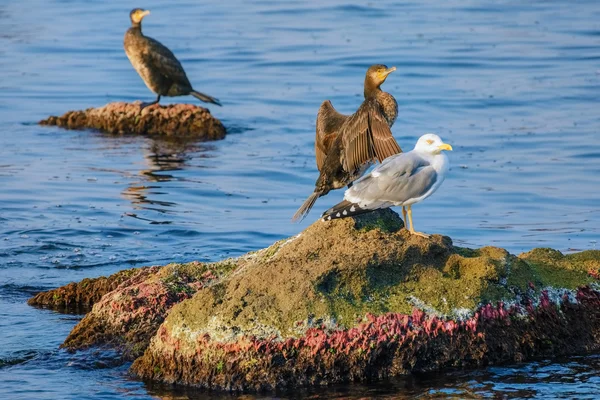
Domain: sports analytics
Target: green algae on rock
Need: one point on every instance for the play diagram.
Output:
(569, 271)
(185, 121)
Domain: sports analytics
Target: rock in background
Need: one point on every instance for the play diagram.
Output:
(176, 120)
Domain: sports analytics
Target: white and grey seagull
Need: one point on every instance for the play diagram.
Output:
(400, 180)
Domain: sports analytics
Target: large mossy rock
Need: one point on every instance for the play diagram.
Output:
(337, 274)
(184, 121)
(342, 302)
(347, 300)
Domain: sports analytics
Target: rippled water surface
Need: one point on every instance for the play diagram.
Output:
(514, 87)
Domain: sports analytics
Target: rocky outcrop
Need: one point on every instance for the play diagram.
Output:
(348, 300)
(380, 346)
(342, 303)
(127, 317)
(81, 296)
(177, 120)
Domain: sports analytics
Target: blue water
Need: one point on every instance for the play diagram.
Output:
(513, 86)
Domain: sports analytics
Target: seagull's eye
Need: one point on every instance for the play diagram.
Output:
(429, 141)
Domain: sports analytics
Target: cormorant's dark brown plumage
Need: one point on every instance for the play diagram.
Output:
(346, 145)
(158, 67)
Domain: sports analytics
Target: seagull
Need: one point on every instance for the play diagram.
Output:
(401, 180)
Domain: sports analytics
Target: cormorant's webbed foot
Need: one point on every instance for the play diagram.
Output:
(144, 105)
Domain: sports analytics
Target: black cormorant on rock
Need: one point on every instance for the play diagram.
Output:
(158, 67)
(346, 145)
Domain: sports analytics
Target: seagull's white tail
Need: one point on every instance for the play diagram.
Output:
(306, 206)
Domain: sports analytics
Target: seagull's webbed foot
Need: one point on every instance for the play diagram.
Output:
(421, 234)
(412, 228)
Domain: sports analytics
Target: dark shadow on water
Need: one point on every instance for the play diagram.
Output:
(408, 387)
(529, 380)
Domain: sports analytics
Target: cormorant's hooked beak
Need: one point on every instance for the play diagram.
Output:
(388, 71)
(144, 13)
(384, 74)
(445, 146)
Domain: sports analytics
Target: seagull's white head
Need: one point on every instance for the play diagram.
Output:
(430, 143)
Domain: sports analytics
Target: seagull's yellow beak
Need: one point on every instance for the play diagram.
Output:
(445, 146)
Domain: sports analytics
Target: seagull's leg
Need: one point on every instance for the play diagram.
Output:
(404, 215)
(144, 105)
(412, 228)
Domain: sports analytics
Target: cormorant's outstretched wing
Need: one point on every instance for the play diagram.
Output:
(163, 60)
(329, 122)
(367, 136)
(356, 139)
(383, 141)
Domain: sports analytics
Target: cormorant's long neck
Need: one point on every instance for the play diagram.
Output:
(371, 88)
(136, 27)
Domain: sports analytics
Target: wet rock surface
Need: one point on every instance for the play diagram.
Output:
(81, 296)
(127, 317)
(176, 120)
(382, 346)
(348, 300)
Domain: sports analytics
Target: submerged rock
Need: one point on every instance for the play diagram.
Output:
(349, 300)
(176, 120)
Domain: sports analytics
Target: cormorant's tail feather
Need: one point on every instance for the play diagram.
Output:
(306, 206)
(205, 98)
(342, 210)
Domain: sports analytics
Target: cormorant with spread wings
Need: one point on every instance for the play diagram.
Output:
(346, 145)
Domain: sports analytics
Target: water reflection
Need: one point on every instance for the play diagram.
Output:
(163, 157)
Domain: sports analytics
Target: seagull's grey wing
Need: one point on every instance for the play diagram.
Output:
(329, 121)
(400, 178)
(163, 60)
